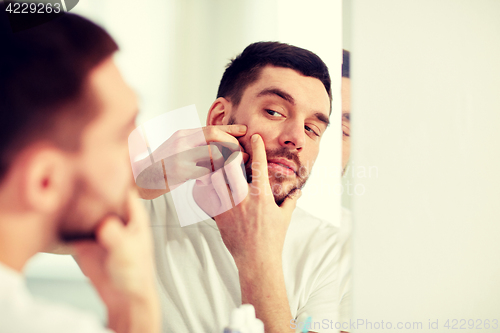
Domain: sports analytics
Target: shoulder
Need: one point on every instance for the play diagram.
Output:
(312, 236)
(44, 317)
(159, 209)
(309, 234)
(307, 225)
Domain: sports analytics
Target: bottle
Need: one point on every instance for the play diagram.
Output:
(243, 320)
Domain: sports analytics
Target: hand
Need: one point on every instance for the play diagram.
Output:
(188, 154)
(254, 233)
(254, 230)
(120, 265)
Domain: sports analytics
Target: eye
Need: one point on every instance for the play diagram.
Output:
(310, 130)
(274, 113)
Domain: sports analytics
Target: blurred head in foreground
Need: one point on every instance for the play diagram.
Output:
(66, 114)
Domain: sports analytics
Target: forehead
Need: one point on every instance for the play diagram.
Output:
(307, 92)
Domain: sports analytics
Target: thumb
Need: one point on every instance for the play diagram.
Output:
(110, 233)
(291, 201)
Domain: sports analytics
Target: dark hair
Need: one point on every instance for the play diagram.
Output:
(346, 64)
(245, 68)
(43, 79)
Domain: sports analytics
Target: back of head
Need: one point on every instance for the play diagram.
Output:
(346, 64)
(43, 72)
(245, 68)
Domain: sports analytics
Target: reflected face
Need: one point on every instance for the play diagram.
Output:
(102, 167)
(346, 121)
(291, 112)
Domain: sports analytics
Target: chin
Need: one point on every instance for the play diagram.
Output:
(282, 189)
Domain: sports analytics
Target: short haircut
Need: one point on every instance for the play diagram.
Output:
(43, 79)
(346, 64)
(246, 67)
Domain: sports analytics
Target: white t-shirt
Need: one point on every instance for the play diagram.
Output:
(21, 313)
(345, 268)
(198, 277)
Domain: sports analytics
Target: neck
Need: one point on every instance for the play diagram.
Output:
(21, 237)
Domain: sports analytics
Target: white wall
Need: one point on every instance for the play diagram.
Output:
(426, 101)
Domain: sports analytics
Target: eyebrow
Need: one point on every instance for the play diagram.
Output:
(321, 117)
(277, 92)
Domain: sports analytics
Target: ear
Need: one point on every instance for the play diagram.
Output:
(219, 112)
(47, 182)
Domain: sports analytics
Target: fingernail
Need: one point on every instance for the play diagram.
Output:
(255, 137)
(242, 128)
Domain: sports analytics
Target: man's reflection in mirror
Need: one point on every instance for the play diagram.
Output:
(346, 111)
(345, 302)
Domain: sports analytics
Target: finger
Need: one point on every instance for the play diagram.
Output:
(186, 139)
(185, 132)
(259, 163)
(225, 153)
(192, 164)
(220, 186)
(197, 172)
(180, 141)
(110, 233)
(234, 130)
(245, 157)
(202, 138)
(152, 177)
(190, 155)
(236, 177)
(221, 135)
(291, 202)
(113, 230)
(216, 157)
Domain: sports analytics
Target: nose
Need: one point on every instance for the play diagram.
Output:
(293, 135)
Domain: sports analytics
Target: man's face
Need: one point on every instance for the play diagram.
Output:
(346, 121)
(103, 174)
(290, 111)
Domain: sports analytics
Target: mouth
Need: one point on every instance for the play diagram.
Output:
(282, 165)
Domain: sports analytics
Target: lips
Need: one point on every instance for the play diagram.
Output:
(284, 164)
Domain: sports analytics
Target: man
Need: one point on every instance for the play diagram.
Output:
(345, 221)
(66, 114)
(274, 100)
(346, 109)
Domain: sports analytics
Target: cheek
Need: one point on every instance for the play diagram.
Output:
(346, 152)
(120, 169)
(245, 141)
(111, 172)
(268, 137)
(346, 148)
